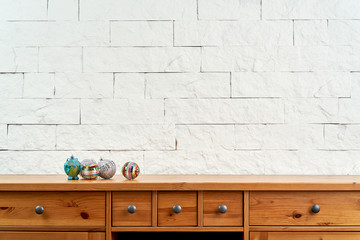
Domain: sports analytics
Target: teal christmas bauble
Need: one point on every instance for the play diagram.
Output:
(72, 168)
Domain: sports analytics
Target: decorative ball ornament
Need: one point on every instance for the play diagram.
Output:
(130, 170)
(89, 169)
(72, 168)
(107, 168)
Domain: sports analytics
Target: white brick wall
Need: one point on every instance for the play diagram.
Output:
(181, 86)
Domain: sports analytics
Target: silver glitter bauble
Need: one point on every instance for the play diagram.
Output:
(107, 168)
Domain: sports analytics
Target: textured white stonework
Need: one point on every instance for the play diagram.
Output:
(3, 136)
(23, 9)
(29, 137)
(80, 85)
(181, 86)
(355, 84)
(40, 111)
(11, 85)
(204, 137)
(122, 111)
(279, 136)
(291, 84)
(56, 59)
(141, 33)
(59, 33)
(187, 85)
(312, 110)
(129, 85)
(39, 85)
(18, 59)
(218, 33)
(136, 59)
(308, 33)
(311, 9)
(116, 137)
(222, 111)
(229, 9)
(349, 110)
(63, 10)
(137, 9)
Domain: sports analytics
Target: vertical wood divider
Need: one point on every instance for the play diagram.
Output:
(246, 214)
(200, 208)
(154, 204)
(108, 221)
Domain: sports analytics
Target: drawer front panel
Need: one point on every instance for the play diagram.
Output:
(52, 235)
(305, 235)
(223, 208)
(297, 208)
(188, 204)
(59, 208)
(131, 209)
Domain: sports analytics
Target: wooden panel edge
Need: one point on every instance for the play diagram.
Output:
(200, 204)
(108, 216)
(246, 212)
(54, 228)
(177, 229)
(304, 228)
(97, 236)
(154, 204)
(258, 236)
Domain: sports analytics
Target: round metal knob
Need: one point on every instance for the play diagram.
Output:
(315, 208)
(131, 209)
(177, 209)
(39, 210)
(222, 208)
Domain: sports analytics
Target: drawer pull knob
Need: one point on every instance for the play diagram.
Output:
(39, 210)
(131, 209)
(177, 209)
(222, 208)
(315, 208)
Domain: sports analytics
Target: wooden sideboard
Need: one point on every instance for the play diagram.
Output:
(253, 207)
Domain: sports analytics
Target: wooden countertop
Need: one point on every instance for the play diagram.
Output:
(182, 182)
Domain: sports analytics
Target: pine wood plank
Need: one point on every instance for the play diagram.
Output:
(120, 203)
(234, 202)
(246, 214)
(51, 235)
(294, 208)
(188, 203)
(60, 209)
(182, 182)
(305, 235)
(177, 229)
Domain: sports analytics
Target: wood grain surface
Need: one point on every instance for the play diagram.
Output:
(120, 203)
(60, 208)
(294, 208)
(52, 236)
(181, 182)
(305, 236)
(234, 203)
(188, 214)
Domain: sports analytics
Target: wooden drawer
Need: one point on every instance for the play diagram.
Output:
(295, 208)
(52, 235)
(123, 205)
(60, 208)
(231, 201)
(305, 235)
(188, 203)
